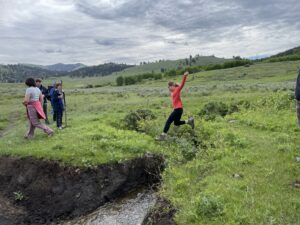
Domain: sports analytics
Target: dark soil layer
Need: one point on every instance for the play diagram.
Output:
(51, 191)
(161, 214)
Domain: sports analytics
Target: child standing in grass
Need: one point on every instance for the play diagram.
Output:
(33, 101)
(58, 106)
(175, 116)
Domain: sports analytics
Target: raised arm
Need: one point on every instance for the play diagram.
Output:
(185, 75)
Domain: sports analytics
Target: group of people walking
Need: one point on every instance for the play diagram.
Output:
(36, 97)
(36, 101)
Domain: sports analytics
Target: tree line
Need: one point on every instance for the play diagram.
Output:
(128, 80)
(134, 79)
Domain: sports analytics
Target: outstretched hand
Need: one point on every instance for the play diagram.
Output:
(186, 73)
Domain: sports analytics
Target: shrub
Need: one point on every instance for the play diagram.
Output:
(236, 106)
(213, 109)
(89, 86)
(137, 78)
(171, 73)
(132, 119)
(120, 81)
(130, 80)
(209, 207)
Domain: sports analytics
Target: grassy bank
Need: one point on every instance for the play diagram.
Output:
(237, 168)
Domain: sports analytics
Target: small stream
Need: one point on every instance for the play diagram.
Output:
(131, 210)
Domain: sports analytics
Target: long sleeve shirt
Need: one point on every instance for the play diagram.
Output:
(176, 100)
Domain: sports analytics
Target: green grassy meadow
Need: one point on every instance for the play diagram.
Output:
(236, 169)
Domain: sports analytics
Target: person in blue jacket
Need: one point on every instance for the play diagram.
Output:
(51, 90)
(297, 97)
(58, 105)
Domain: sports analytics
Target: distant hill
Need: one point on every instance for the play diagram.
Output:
(165, 65)
(19, 72)
(100, 70)
(288, 55)
(290, 52)
(60, 67)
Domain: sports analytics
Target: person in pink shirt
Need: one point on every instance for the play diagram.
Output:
(33, 102)
(175, 116)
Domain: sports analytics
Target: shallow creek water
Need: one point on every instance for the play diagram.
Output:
(130, 210)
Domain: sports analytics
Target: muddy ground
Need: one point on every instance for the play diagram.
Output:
(42, 192)
(162, 214)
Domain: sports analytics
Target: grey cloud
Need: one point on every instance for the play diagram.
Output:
(92, 31)
(115, 42)
(128, 9)
(52, 50)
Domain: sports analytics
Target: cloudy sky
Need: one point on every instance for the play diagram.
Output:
(130, 31)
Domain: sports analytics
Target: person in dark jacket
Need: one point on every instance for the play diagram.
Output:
(51, 90)
(297, 96)
(58, 105)
(45, 96)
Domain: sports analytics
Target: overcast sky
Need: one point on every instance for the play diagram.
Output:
(130, 31)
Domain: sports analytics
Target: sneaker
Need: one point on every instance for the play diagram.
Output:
(28, 137)
(60, 128)
(51, 134)
(161, 137)
(191, 122)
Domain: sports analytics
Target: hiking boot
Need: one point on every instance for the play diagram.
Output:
(161, 137)
(28, 137)
(191, 122)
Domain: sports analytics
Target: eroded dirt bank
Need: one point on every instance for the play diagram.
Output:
(50, 192)
(161, 214)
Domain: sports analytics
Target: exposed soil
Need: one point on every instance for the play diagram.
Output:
(51, 191)
(9, 210)
(161, 214)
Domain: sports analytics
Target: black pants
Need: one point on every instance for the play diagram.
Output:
(174, 117)
(54, 116)
(45, 111)
(59, 116)
(54, 112)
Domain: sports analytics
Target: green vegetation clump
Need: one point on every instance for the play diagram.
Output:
(18, 196)
(285, 58)
(213, 109)
(132, 120)
(209, 207)
(225, 65)
(129, 80)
